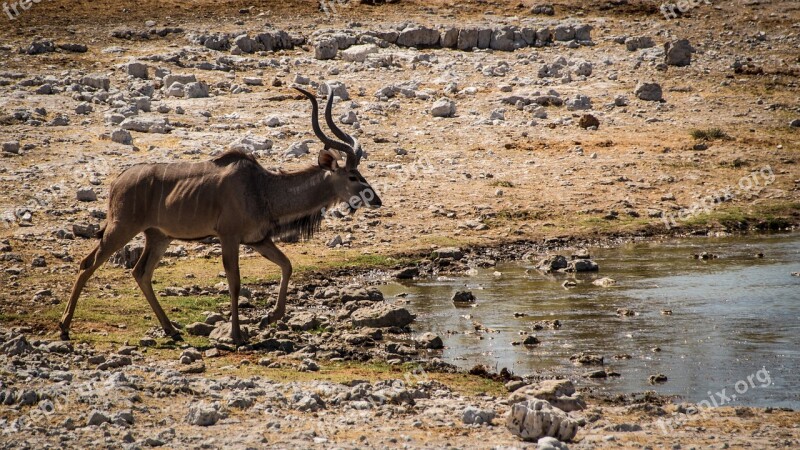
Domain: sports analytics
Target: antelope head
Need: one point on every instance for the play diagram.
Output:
(349, 185)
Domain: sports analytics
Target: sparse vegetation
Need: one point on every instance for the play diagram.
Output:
(710, 134)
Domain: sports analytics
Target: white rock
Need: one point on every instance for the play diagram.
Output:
(202, 415)
(326, 49)
(297, 150)
(359, 53)
(348, 118)
(443, 107)
(550, 443)
(86, 195)
(473, 415)
(533, 419)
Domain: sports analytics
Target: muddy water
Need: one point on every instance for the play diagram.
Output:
(731, 318)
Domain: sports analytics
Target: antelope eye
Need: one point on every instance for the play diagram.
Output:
(352, 178)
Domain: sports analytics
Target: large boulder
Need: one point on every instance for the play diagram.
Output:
(502, 39)
(678, 53)
(418, 36)
(564, 33)
(449, 38)
(484, 37)
(382, 315)
(533, 419)
(467, 39)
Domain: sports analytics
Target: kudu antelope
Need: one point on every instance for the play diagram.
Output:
(233, 198)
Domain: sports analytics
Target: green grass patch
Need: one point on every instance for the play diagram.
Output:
(344, 372)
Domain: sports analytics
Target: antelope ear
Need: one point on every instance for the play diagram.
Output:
(328, 160)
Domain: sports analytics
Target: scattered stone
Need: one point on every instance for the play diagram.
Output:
(137, 70)
(146, 124)
(453, 253)
(97, 418)
(382, 315)
(531, 340)
(443, 108)
(639, 42)
(96, 81)
(11, 147)
(533, 419)
(543, 9)
(430, 341)
(197, 89)
(202, 415)
(475, 416)
(678, 53)
(308, 365)
(86, 195)
(326, 49)
(199, 329)
(297, 150)
(16, 346)
(406, 273)
(588, 121)
(193, 368)
(604, 282)
(86, 231)
(579, 103)
(418, 36)
(553, 263)
(122, 137)
(463, 297)
(550, 443)
(595, 374)
(587, 359)
(657, 378)
(359, 53)
(650, 92)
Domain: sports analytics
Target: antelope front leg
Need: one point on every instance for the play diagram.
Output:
(230, 261)
(268, 250)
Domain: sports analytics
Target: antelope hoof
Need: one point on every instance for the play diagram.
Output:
(275, 316)
(176, 336)
(237, 340)
(64, 336)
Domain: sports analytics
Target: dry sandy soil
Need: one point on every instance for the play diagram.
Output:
(481, 178)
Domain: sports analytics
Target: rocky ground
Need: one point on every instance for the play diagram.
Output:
(490, 126)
